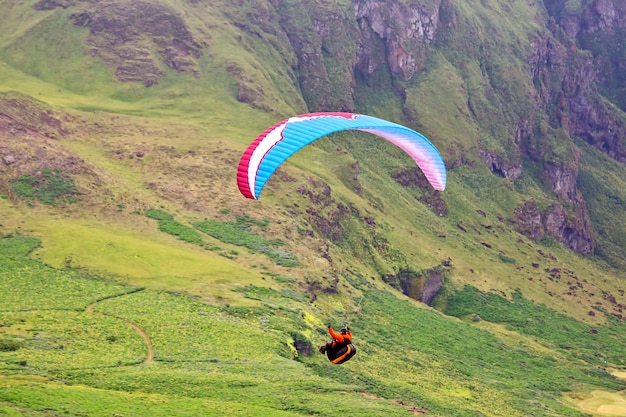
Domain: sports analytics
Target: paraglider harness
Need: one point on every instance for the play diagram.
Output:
(339, 352)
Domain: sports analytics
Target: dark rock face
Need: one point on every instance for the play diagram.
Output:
(594, 16)
(334, 42)
(303, 347)
(571, 230)
(596, 125)
(528, 221)
(561, 178)
(52, 4)
(499, 166)
(413, 177)
(325, 214)
(423, 286)
(562, 76)
(406, 48)
(598, 27)
(565, 79)
(325, 50)
(431, 287)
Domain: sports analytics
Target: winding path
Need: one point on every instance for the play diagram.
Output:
(144, 335)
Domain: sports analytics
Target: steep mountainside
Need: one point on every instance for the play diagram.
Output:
(122, 123)
(494, 85)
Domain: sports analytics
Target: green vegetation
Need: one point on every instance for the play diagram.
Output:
(48, 186)
(236, 233)
(242, 361)
(595, 345)
(59, 340)
(10, 345)
(105, 313)
(607, 207)
(31, 285)
(506, 259)
(239, 233)
(454, 356)
(168, 225)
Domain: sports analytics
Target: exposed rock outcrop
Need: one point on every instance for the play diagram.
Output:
(421, 286)
(135, 38)
(499, 166)
(116, 32)
(573, 231)
(29, 143)
(413, 177)
(528, 222)
(332, 43)
(575, 74)
(406, 29)
(588, 17)
(323, 42)
(52, 4)
(561, 178)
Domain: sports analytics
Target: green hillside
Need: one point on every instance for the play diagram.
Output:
(77, 349)
(136, 280)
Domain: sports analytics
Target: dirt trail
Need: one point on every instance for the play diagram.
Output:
(144, 335)
(146, 339)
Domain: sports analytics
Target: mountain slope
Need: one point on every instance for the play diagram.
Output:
(121, 124)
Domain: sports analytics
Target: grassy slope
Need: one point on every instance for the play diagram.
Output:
(84, 353)
(208, 124)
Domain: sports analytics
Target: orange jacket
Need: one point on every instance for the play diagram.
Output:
(340, 338)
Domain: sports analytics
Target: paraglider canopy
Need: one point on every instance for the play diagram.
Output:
(270, 149)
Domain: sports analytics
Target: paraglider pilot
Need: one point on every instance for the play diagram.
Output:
(340, 349)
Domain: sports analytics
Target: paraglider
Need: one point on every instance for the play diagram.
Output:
(270, 149)
(340, 349)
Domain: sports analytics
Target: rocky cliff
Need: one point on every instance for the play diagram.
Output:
(591, 37)
(406, 29)
(399, 37)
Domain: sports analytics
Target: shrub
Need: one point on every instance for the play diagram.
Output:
(238, 234)
(10, 345)
(48, 186)
(506, 259)
(168, 225)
